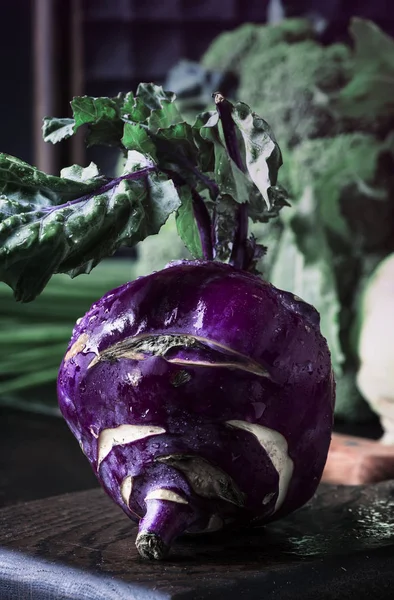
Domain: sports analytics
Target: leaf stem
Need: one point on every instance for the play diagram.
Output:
(238, 256)
(201, 215)
(106, 187)
(224, 109)
(203, 221)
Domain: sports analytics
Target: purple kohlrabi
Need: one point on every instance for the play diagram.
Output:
(202, 396)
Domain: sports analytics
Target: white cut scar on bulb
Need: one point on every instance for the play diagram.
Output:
(126, 487)
(163, 494)
(121, 435)
(275, 445)
(77, 346)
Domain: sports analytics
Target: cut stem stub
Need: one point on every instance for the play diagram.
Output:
(164, 521)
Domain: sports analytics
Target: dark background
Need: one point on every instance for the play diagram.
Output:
(128, 41)
(122, 42)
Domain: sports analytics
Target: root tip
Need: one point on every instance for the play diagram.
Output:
(151, 546)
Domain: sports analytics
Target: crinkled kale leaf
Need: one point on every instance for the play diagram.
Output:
(68, 224)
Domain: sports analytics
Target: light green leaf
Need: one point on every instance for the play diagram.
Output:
(186, 223)
(370, 92)
(78, 173)
(136, 161)
(304, 266)
(342, 172)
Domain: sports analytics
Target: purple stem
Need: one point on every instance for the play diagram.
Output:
(201, 216)
(163, 522)
(104, 188)
(224, 109)
(211, 185)
(203, 221)
(238, 256)
(214, 233)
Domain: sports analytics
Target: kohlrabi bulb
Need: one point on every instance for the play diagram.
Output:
(202, 396)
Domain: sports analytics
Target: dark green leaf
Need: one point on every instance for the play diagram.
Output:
(102, 115)
(255, 253)
(206, 151)
(74, 237)
(230, 179)
(235, 183)
(21, 182)
(136, 137)
(262, 153)
(176, 151)
(186, 223)
(91, 110)
(105, 132)
(164, 117)
(178, 142)
(137, 112)
(55, 130)
(153, 95)
(278, 199)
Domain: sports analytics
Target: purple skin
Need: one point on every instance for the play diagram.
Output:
(276, 374)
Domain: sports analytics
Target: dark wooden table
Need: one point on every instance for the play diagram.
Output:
(80, 546)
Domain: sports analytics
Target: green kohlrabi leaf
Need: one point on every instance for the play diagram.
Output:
(229, 178)
(162, 118)
(136, 137)
(370, 92)
(186, 223)
(56, 130)
(153, 96)
(91, 110)
(278, 199)
(37, 241)
(304, 266)
(177, 153)
(135, 162)
(21, 182)
(152, 106)
(234, 182)
(105, 117)
(262, 153)
(78, 173)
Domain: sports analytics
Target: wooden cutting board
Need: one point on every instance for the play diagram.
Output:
(80, 546)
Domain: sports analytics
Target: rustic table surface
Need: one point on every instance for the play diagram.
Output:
(81, 546)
